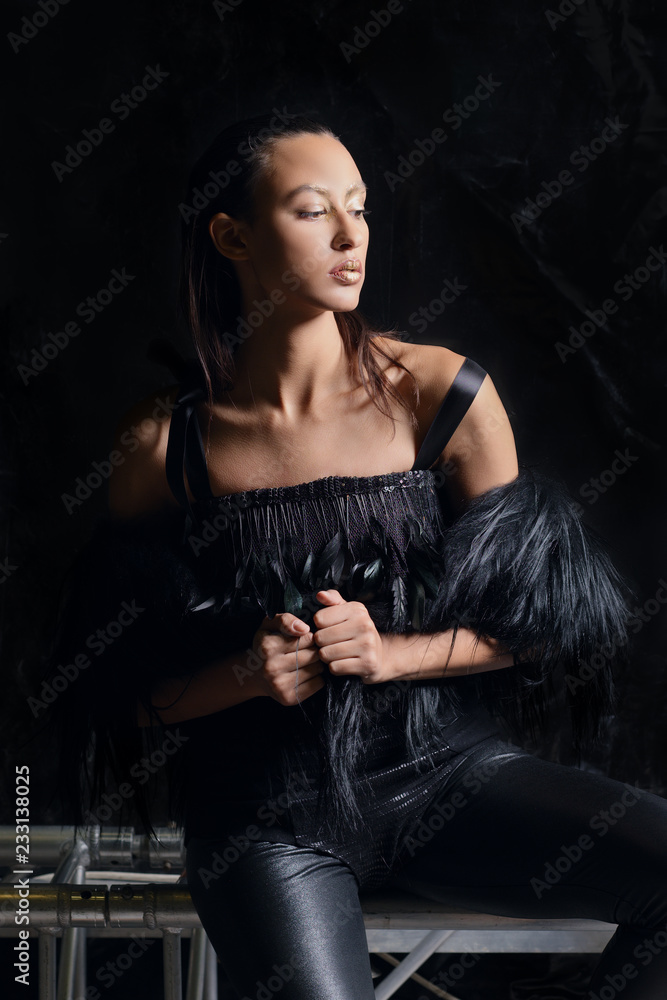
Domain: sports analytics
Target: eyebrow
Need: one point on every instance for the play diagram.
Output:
(315, 187)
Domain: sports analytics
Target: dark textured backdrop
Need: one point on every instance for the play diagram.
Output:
(543, 206)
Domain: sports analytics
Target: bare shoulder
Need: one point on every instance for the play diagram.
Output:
(481, 452)
(433, 367)
(138, 483)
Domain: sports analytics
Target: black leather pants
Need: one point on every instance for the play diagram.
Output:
(522, 837)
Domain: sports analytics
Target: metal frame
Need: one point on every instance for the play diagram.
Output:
(72, 905)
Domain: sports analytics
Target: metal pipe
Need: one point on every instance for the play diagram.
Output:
(171, 958)
(47, 964)
(112, 847)
(196, 965)
(77, 859)
(71, 937)
(81, 972)
(211, 984)
(58, 905)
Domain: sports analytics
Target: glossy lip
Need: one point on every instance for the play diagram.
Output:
(348, 260)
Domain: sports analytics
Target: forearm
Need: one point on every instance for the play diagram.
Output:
(218, 685)
(423, 656)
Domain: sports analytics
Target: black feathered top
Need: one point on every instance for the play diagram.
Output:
(352, 770)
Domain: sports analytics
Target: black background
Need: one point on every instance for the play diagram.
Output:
(462, 214)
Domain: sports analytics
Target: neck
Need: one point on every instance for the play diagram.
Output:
(291, 364)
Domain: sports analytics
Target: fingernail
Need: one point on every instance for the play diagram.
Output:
(300, 626)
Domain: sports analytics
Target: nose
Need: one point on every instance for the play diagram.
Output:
(348, 232)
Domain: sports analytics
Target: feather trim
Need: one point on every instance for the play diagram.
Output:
(522, 567)
(518, 565)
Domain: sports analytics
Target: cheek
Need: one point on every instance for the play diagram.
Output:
(305, 252)
(305, 246)
(300, 250)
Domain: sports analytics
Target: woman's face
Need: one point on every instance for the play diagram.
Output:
(309, 220)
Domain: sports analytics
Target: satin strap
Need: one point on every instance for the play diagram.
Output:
(185, 447)
(451, 412)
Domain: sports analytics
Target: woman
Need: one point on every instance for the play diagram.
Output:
(304, 583)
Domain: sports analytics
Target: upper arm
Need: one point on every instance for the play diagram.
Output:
(138, 483)
(481, 453)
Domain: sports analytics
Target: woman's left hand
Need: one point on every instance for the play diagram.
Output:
(348, 639)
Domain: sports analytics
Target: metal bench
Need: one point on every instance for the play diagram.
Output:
(80, 899)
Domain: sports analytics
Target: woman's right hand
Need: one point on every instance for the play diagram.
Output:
(275, 642)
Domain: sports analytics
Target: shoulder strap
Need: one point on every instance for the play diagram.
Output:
(452, 410)
(185, 446)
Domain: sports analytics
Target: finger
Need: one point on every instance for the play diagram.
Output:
(291, 625)
(307, 657)
(292, 644)
(309, 688)
(342, 632)
(285, 623)
(307, 672)
(330, 597)
(341, 650)
(350, 665)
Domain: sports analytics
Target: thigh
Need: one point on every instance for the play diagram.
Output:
(281, 918)
(525, 837)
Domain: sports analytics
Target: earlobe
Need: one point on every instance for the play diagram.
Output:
(226, 236)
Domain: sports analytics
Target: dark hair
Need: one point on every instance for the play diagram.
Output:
(225, 179)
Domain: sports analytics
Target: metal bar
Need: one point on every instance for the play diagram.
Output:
(114, 847)
(410, 964)
(196, 965)
(73, 864)
(80, 973)
(67, 963)
(171, 960)
(71, 937)
(211, 985)
(47, 964)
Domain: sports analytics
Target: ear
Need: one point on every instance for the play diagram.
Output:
(226, 234)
